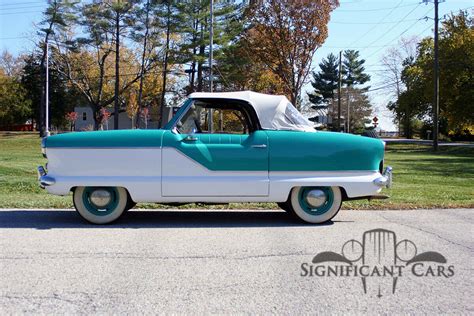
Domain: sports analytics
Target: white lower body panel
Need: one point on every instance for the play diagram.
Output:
(140, 172)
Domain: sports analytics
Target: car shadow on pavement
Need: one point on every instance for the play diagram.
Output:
(50, 219)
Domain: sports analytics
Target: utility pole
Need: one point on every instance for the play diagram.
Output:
(436, 80)
(339, 88)
(348, 110)
(46, 132)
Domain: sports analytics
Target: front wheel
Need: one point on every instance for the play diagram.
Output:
(100, 205)
(315, 205)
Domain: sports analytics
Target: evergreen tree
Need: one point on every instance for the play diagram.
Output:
(62, 98)
(56, 18)
(325, 82)
(353, 70)
(227, 24)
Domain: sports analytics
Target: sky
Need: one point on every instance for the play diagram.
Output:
(369, 26)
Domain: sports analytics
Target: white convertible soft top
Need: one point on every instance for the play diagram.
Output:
(275, 112)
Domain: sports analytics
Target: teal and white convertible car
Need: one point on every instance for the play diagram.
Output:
(218, 148)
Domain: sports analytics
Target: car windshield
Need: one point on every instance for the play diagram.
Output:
(295, 117)
(225, 119)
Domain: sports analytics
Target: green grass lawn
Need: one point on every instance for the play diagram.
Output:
(422, 179)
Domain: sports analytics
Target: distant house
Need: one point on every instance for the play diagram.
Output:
(85, 120)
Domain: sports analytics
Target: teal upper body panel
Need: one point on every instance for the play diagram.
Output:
(115, 138)
(223, 152)
(258, 151)
(323, 151)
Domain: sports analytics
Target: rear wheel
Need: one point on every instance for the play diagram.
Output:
(100, 205)
(315, 205)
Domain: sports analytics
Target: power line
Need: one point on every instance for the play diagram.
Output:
(16, 13)
(12, 38)
(370, 23)
(385, 16)
(406, 30)
(385, 33)
(378, 9)
(21, 3)
(21, 8)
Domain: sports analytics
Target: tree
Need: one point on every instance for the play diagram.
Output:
(325, 83)
(392, 63)
(145, 33)
(456, 47)
(57, 16)
(121, 21)
(194, 31)
(286, 34)
(353, 69)
(10, 65)
(360, 111)
(15, 107)
(456, 92)
(353, 73)
(87, 61)
(71, 117)
(238, 70)
(62, 99)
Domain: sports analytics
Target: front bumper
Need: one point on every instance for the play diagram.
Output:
(43, 178)
(386, 179)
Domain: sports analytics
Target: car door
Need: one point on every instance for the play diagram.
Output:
(215, 164)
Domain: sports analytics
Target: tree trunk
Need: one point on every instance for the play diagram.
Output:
(199, 68)
(165, 68)
(142, 68)
(117, 70)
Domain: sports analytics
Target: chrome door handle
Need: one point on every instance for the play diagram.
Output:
(190, 138)
(259, 146)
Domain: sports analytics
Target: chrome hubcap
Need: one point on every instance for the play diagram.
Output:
(100, 197)
(316, 198)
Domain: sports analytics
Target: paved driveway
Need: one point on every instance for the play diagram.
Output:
(233, 261)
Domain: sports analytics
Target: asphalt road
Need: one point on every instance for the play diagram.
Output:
(226, 262)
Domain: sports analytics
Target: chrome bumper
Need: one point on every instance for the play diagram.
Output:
(386, 179)
(43, 178)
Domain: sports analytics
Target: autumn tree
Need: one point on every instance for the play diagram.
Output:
(456, 92)
(14, 103)
(286, 34)
(238, 70)
(88, 61)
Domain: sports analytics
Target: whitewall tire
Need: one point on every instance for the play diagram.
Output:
(315, 205)
(100, 205)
